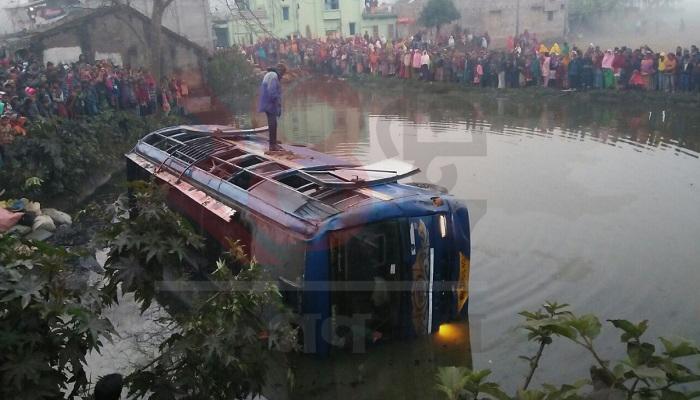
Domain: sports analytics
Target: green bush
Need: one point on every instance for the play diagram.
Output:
(48, 322)
(232, 78)
(646, 372)
(221, 347)
(63, 154)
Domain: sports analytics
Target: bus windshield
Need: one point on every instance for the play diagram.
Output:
(367, 252)
(364, 260)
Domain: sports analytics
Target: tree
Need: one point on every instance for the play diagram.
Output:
(222, 342)
(232, 79)
(156, 36)
(437, 13)
(646, 373)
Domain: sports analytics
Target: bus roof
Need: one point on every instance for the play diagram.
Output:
(299, 182)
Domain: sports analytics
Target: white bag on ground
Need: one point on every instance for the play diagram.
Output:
(58, 217)
(44, 222)
(33, 207)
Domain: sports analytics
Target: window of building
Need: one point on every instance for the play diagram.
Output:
(352, 28)
(390, 31)
(222, 37)
(332, 4)
(285, 13)
(550, 15)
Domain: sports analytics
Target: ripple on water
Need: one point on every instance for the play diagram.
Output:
(588, 204)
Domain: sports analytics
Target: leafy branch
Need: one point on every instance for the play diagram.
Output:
(221, 347)
(47, 326)
(644, 374)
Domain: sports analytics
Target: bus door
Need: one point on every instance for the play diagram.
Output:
(366, 267)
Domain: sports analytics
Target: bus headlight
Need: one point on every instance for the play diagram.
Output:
(443, 226)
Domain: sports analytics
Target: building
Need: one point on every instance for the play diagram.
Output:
(116, 33)
(188, 18)
(500, 18)
(245, 21)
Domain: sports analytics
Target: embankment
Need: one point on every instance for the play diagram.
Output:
(456, 91)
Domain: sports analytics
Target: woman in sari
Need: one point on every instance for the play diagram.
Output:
(545, 68)
(647, 71)
(608, 73)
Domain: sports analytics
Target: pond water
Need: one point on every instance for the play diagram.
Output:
(596, 205)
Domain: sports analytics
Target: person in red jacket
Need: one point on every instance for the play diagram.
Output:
(142, 96)
(618, 66)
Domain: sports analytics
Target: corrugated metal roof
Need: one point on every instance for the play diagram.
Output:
(307, 184)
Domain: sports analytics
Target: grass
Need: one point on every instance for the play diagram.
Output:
(540, 94)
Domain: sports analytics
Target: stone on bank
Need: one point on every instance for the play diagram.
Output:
(27, 219)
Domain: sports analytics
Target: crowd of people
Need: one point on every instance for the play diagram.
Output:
(33, 91)
(469, 59)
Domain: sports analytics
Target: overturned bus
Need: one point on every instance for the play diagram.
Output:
(347, 244)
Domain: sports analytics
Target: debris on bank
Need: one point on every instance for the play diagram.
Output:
(27, 219)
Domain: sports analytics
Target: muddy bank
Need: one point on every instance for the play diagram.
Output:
(456, 91)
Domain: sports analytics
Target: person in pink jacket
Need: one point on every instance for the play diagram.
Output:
(416, 63)
(608, 73)
(546, 68)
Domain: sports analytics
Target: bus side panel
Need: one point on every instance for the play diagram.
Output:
(443, 296)
(280, 251)
(462, 254)
(206, 222)
(316, 301)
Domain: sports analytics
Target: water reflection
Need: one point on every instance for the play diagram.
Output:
(585, 202)
(396, 370)
(593, 204)
(334, 116)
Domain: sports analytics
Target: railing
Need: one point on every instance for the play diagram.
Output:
(378, 12)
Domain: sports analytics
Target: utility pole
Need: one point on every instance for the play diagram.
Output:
(517, 18)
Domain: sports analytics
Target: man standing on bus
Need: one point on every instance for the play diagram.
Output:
(271, 100)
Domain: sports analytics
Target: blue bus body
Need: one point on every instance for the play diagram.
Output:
(358, 256)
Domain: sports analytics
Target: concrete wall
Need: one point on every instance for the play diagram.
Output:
(116, 35)
(547, 18)
(382, 26)
(309, 18)
(189, 18)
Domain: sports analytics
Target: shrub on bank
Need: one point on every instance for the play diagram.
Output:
(220, 346)
(648, 372)
(64, 155)
(232, 77)
(50, 319)
(52, 316)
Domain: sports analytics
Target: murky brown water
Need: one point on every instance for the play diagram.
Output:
(596, 205)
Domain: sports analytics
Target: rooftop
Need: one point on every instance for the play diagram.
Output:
(299, 181)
